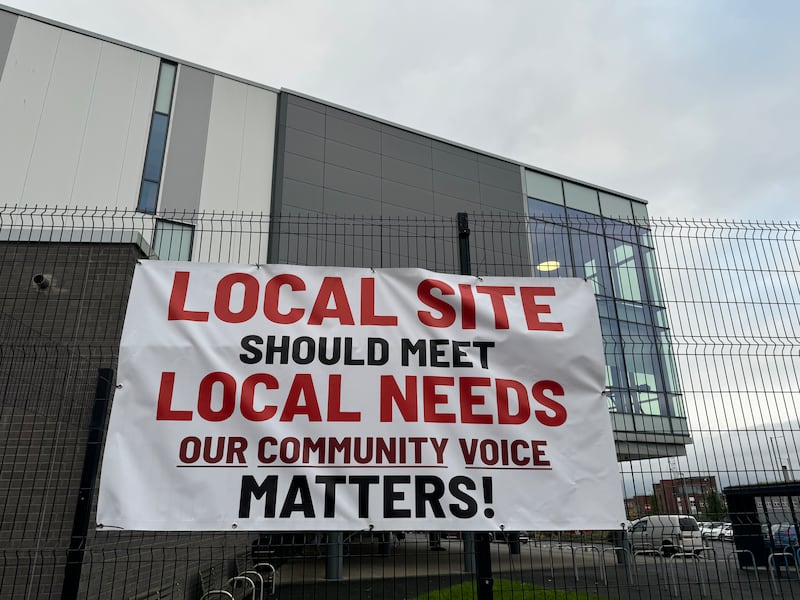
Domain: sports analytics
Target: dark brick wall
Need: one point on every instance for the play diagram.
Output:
(52, 342)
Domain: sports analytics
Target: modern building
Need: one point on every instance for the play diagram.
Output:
(139, 152)
(92, 122)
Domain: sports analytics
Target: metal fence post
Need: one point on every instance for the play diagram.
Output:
(91, 460)
(482, 564)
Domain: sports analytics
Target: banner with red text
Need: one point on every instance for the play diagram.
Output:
(280, 397)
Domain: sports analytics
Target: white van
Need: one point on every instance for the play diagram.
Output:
(667, 534)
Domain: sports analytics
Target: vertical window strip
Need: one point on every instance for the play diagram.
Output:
(157, 139)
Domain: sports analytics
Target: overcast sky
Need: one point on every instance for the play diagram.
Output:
(693, 106)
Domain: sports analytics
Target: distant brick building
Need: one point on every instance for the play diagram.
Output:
(638, 506)
(685, 495)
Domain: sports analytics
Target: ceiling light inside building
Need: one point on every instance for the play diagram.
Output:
(548, 265)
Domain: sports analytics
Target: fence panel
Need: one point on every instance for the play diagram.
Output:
(701, 323)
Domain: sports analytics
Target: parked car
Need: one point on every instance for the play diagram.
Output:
(726, 533)
(667, 534)
(716, 531)
(784, 534)
(706, 527)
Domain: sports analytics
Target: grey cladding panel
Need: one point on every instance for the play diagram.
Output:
(405, 135)
(407, 150)
(352, 182)
(450, 149)
(183, 171)
(447, 206)
(302, 195)
(337, 203)
(305, 119)
(351, 118)
(352, 134)
(455, 164)
(458, 187)
(305, 144)
(502, 178)
(407, 173)
(503, 165)
(8, 23)
(502, 199)
(302, 168)
(310, 104)
(353, 158)
(405, 196)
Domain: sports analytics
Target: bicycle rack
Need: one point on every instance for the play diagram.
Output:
(752, 560)
(574, 564)
(773, 567)
(590, 548)
(674, 570)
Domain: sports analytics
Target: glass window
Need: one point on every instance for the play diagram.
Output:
(155, 148)
(591, 261)
(148, 197)
(651, 271)
(173, 241)
(581, 197)
(166, 81)
(541, 210)
(626, 268)
(544, 187)
(157, 142)
(643, 364)
(640, 213)
(584, 221)
(616, 380)
(550, 246)
(615, 207)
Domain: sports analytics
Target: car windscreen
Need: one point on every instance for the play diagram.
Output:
(688, 525)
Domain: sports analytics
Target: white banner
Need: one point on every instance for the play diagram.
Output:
(301, 398)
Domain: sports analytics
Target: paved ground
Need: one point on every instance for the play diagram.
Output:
(412, 569)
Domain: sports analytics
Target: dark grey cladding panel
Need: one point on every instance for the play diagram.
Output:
(183, 170)
(502, 199)
(458, 187)
(302, 168)
(352, 182)
(406, 172)
(455, 164)
(499, 177)
(448, 206)
(351, 118)
(409, 136)
(500, 254)
(338, 203)
(305, 144)
(353, 134)
(305, 119)
(406, 196)
(302, 195)
(451, 149)
(497, 163)
(406, 149)
(305, 103)
(8, 23)
(294, 211)
(350, 157)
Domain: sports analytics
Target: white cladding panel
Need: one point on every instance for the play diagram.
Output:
(115, 138)
(22, 94)
(56, 151)
(77, 113)
(237, 173)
